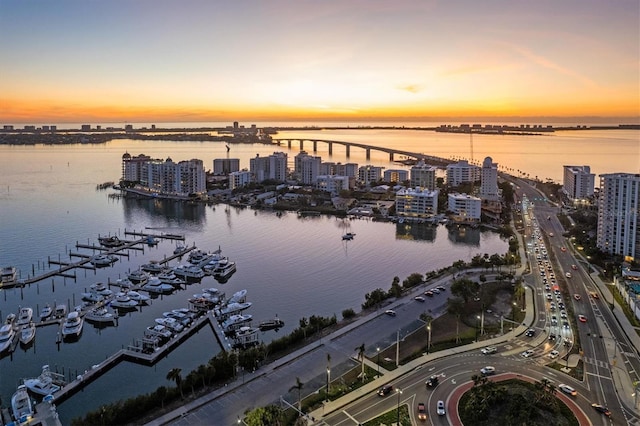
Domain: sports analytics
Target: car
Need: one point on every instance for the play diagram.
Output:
(565, 325)
(551, 234)
(577, 296)
(601, 409)
(435, 291)
(574, 267)
(567, 389)
(554, 354)
(428, 293)
(554, 320)
(422, 411)
(594, 295)
(552, 337)
(568, 274)
(563, 315)
(385, 390)
(528, 353)
(440, 408)
(567, 341)
(530, 332)
(432, 382)
(419, 298)
(563, 248)
(441, 288)
(488, 370)
(582, 318)
(489, 350)
(390, 312)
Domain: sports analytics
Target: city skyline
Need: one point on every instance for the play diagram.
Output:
(148, 61)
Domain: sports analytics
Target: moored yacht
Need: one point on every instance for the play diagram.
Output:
(271, 324)
(188, 272)
(46, 312)
(138, 277)
(152, 267)
(155, 286)
(238, 297)
(27, 333)
(103, 260)
(170, 323)
(224, 269)
(158, 331)
(21, 406)
(72, 327)
(112, 241)
(24, 316)
(47, 383)
(100, 315)
(123, 301)
(232, 308)
(234, 322)
(8, 275)
(6, 337)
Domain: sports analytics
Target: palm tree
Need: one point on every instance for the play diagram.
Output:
(360, 350)
(174, 375)
(298, 386)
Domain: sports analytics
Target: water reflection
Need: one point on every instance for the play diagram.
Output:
(171, 213)
(459, 234)
(416, 231)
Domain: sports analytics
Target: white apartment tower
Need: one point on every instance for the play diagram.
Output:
(418, 202)
(273, 167)
(239, 179)
(462, 172)
(368, 174)
(224, 166)
(464, 207)
(423, 176)
(578, 182)
(307, 167)
(396, 175)
(489, 180)
(619, 214)
(166, 177)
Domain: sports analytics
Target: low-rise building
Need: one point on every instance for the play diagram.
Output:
(464, 208)
(417, 202)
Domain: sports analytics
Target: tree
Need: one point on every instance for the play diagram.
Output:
(360, 350)
(464, 288)
(298, 386)
(269, 415)
(175, 375)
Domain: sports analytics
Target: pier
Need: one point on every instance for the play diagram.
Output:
(136, 354)
(66, 269)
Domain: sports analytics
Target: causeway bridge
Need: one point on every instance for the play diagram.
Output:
(368, 148)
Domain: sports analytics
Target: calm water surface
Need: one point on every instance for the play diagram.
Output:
(292, 267)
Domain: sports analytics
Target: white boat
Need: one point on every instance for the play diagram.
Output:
(123, 301)
(224, 269)
(213, 298)
(10, 319)
(60, 311)
(92, 296)
(199, 258)
(27, 333)
(232, 308)
(138, 277)
(46, 312)
(7, 334)
(152, 267)
(179, 249)
(188, 272)
(234, 322)
(72, 326)
(100, 315)
(189, 313)
(246, 336)
(24, 316)
(170, 323)
(158, 331)
(124, 283)
(184, 319)
(8, 275)
(103, 260)
(47, 383)
(171, 278)
(21, 406)
(348, 236)
(155, 286)
(238, 297)
(101, 289)
(138, 297)
(112, 241)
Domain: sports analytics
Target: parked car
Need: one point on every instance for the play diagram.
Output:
(422, 411)
(419, 298)
(428, 293)
(440, 408)
(488, 370)
(567, 389)
(385, 390)
(441, 288)
(390, 312)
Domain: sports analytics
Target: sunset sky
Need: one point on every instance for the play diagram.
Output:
(266, 60)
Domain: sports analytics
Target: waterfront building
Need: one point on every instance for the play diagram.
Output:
(369, 174)
(240, 179)
(462, 172)
(465, 208)
(132, 167)
(307, 167)
(396, 175)
(619, 215)
(347, 169)
(423, 175)
(489, 180)
(578, 182)
(332, 183)
(224, 166)
(272, 167)
(416, 202)
(85, 127)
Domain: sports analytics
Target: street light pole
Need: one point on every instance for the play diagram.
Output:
(399, 392)
(378, 362)
(429, 341)
(328, 379)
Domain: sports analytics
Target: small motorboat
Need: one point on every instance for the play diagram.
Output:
(72, 327)
(170, 323)
(348, 236)
(7, 333)
(46, 312)
(100, 315)
(152, 267)
(138, 277)
(24, 316)
(155, 286)
(22, 406)
(101, 260)
(158, 331)
(60, 311)
(272, 324)
(27, 333)
(138, 297)
(123, 301)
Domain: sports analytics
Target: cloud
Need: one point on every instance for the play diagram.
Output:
(412, 88)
